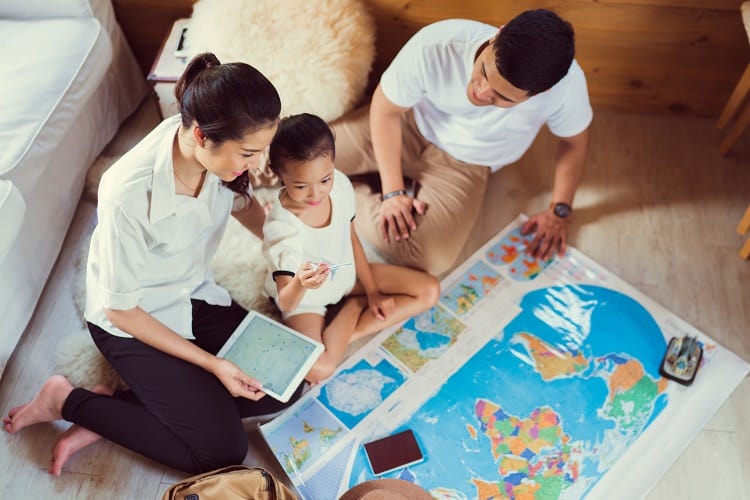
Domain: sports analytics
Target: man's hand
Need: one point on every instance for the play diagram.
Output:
(396, 220)
(551, 235)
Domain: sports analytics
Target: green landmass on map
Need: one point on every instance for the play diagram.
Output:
(301, 452)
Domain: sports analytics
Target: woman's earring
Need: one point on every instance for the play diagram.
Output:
(200, 137)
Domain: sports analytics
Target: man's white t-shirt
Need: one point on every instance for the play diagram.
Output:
(151, 247)
(431, 73)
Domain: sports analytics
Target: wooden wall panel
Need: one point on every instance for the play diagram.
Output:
(640, 55)
(681, 56)
(733, 5)
(146, 23)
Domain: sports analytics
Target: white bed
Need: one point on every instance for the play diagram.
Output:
(67, 82)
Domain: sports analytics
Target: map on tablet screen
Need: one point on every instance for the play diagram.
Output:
(274, 354)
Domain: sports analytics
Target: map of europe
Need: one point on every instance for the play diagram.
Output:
(424, 337)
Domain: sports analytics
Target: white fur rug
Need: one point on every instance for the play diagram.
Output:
(318, 54)
(241, 273)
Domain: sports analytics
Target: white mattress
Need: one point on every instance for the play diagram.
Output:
(74, 53)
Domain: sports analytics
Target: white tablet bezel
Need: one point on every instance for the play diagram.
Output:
(301, 371)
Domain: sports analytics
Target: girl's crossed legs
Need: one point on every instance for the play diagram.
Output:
(412, 292)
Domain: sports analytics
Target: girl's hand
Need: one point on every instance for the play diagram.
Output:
(311, 275)
(237, 382)
(381, 305)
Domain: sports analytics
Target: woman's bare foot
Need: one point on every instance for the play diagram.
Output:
(74, 439)
(7, 420)
(46, 406)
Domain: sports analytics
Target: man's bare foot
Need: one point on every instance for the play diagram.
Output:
(74, 439)
(46, 406)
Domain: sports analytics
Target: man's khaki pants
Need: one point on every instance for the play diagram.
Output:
(453, 191)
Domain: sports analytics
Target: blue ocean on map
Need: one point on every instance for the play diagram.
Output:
(429, 340)
(546, 407)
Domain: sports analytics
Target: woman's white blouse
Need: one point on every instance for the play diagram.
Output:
(152, 248)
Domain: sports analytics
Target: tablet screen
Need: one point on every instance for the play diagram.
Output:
(272, 353)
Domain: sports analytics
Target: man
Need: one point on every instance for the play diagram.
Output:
(460, 100)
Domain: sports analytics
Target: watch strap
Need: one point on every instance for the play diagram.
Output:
(393, 194)
(561, 209)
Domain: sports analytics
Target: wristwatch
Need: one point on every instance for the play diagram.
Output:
(561, 209)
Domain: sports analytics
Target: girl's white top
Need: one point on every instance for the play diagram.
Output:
(288, 242)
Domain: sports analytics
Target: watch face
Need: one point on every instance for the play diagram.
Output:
(562, 210)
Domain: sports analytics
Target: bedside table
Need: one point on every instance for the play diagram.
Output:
(168, 66)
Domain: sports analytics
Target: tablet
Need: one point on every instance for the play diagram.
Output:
(272, 353)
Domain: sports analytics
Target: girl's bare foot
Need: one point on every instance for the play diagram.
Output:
(74, 439)
(46, 406)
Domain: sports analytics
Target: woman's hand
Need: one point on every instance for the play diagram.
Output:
(381, 305)
(311, 275)
(237, 382)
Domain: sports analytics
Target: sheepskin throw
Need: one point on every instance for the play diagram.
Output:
(318, 54)
(242, 273)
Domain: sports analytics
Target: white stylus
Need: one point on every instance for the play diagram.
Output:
(336, 266)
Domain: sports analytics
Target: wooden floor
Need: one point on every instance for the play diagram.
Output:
(658, 207)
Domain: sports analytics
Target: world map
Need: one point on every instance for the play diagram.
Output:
(529, 379)
(310, 434)
(546, 407)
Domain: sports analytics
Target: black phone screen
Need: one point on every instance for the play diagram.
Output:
(393, 452)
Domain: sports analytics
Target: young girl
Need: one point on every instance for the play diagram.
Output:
(152, 306)
(315, 258)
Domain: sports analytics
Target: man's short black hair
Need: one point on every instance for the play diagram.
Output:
(534, 50)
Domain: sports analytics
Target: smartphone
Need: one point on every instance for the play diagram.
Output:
(181, 49)
(393, 452)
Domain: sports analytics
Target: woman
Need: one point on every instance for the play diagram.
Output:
(153, 308)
